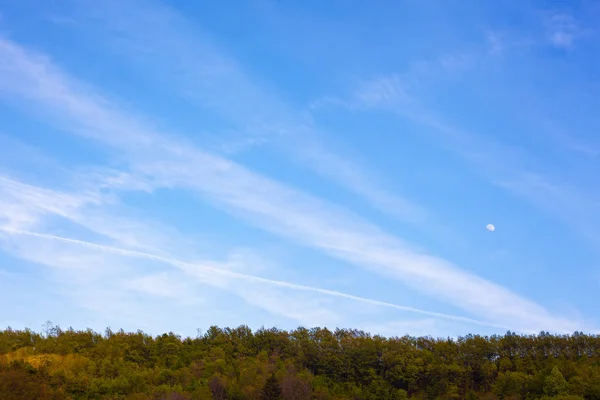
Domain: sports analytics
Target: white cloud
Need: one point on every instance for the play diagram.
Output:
(383, 91)
(22, 205)
(86, 268)
(82, 280)
(505, 166)
(165, 162)
(82, 271)
(25, 206)
(563, 30)
(162, 43)
(105, 280)
(208, 272)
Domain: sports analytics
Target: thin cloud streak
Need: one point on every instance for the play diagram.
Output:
(23, 205)
(504, 166)
(312, 222)
(84, 270)
(192, 269)
(268, 204)
(193, 66)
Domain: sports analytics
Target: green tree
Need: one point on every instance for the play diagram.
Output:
(313, 363)
(511, 384)
(555, 383)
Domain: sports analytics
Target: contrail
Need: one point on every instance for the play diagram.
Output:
(236, 275)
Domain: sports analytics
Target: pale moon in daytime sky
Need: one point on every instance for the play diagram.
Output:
(490, 227)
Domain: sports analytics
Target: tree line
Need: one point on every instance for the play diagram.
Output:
(303, 364)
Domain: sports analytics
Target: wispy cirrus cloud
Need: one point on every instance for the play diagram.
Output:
(513, 168)
(93, 273)
(28, 206)
(552, 29)
(563, 30)
(190, 63)
(263, 202)
(104, 280)
(82, 287)
(214, 273)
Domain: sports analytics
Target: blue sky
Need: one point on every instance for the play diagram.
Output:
(168, 166)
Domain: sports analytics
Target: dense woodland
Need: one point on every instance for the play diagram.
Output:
(301, 364)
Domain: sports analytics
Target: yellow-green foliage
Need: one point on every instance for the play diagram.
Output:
(301, 365)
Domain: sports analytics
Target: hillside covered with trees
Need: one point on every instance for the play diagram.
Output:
(297, 365)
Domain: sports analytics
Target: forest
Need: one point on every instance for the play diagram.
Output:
(237, 363)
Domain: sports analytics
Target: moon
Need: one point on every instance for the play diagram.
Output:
(490, 227)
